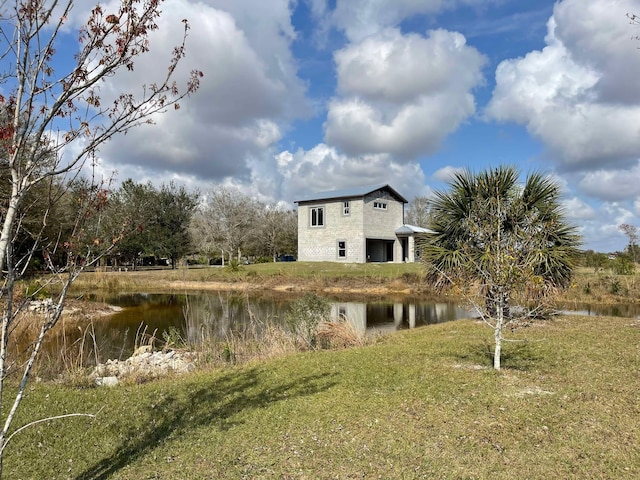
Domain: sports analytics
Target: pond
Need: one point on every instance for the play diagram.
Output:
(223, 314)
(199, 317)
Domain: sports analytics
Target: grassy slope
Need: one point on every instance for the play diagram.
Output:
(375, 278)
(411, 406)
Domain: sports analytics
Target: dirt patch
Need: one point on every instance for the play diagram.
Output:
(215, 286)
(89, 309)
(288, 287)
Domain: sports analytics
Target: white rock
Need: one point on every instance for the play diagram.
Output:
(107, 381)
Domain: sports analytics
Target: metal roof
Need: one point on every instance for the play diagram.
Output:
(411, 229)
(351, 193)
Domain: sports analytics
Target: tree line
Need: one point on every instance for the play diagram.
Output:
(148, 225)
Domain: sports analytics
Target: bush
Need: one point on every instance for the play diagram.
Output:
(233, 265)
(304, 316)
(616, 288)
(37, 291)
(262, 260)
(623, 265)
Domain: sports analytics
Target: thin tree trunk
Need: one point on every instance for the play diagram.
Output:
(7, 227)
(497, 333)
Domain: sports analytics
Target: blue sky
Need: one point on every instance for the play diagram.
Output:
(313, 95)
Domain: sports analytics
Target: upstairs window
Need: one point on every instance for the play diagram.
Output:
(380, 205)
(346, 208)
(317, 217)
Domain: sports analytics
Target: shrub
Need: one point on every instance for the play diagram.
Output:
(623, 265)
(304, 316)
(36, 291)
(233, 265)
(616, 288)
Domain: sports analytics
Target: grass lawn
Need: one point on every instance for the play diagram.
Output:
(299, 275)
(588, 287)
(418, 404)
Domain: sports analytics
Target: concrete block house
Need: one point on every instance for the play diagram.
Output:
(355, 225)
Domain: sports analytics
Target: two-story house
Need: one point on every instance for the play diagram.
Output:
(360, 224)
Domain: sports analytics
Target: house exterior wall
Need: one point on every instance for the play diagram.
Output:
(367, 219)
(382, 223)
(320, 244)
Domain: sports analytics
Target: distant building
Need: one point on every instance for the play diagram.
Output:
(355, 225)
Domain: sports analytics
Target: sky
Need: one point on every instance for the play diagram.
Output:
(314, 95)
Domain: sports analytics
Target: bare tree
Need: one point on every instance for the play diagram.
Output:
(631, 231)
(419, 212)
(52, 123)
(278, 231)
(225, 222)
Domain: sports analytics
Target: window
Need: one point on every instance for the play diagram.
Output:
(380, 205)
(346, 207)
(342, 249)
(317, 217)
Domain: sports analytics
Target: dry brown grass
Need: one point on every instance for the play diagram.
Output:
(339, 334)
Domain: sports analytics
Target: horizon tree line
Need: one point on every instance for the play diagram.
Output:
(149, 225)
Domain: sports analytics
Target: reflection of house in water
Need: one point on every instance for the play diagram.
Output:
(389, 317)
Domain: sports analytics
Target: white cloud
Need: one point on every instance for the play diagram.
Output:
(599, 224)
(575, 94)
(612, 184)
(324, 168)
(398, 68)
(598, 35)
(250, 91)
(361, 18)
(577, 209)
(446, 174)
(402, 94)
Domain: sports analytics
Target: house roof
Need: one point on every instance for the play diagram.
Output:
(351, 193)
(411, 229)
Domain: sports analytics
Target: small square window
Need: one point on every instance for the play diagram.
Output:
(342, 249)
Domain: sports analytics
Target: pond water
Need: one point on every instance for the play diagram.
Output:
(628, 310)
(222, 315)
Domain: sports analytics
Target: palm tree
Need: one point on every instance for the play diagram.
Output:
(494, 233)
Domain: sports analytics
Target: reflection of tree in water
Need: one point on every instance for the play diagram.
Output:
(229, 315)
(223, 316)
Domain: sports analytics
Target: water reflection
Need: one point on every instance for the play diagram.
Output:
(226, 314)
(213, 316)
(622, 310)
(389, 317)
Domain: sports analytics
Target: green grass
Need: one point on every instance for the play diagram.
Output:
(418, 404)
(307, 275)
(587, 286)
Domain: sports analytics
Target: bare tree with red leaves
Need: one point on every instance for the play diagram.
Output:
(52, 124)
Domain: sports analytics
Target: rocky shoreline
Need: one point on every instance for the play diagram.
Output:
(145, 364)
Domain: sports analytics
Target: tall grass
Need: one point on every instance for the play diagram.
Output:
(218, 341)
(70, 348)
